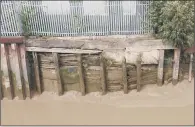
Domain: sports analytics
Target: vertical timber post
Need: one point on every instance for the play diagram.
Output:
(139, 72)
(190, 68)
(81, 76)
(16, 70)
(125, 85)
(7, 85)
(57, 68)
(160, 67)
(103, 75)
(176, 66)
(37, 72)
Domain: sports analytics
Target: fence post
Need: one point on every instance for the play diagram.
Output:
(160, 67)
(37, 72)
(176, 66)
(125, 85)
(81, 76)
(190, 67)
(57, 69)
(139, 72)
(103, 75)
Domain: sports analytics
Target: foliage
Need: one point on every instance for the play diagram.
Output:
(26, 16)
(173, 21)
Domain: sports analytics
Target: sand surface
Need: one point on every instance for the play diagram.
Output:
(166, 105)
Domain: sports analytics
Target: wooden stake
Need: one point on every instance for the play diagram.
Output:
(190, 67)
(103, 75)
(24, 70)
(57, 68)
(16, 71)
(80, 69)
(160, 67)
(37, 72)
(176, 66)
(7, 85)
(125, 85)
(139, 73)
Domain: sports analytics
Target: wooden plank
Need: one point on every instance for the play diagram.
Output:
(7, 84)
(190, 68)
(176, 66)
(81, 76)
(138, 67)
(24, 70)
(16, 71)
(37, 72)
(57, 68)
(103, 75)
(11, 40)
(62, 50)
(160, 68)
(1, 90)
(125, 85)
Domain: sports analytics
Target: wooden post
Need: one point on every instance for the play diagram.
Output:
(7, 84)
(24, 70)
(160, 67)
(57, 68)
(1, 88)
(37, 72)
(103, 75)
(190, 67)
(176, 66)
(125, 85)
(16, 71)
(139, 73)
(81, 77)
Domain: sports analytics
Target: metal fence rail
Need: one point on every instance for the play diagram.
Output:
(75, 18)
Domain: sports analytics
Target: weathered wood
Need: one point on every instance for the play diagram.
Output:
(1, 89)
(62, 50)
(81, 76)
(103, 75)
(37, 72)
(125, 85)
(7, 84)
(24, 70)
(190, 68)
(138, 66)
(176, 66)
(9, 40)
(16, 70)
(160, 68)
(57, 68)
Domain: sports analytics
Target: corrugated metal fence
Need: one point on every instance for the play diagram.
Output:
(74, 18)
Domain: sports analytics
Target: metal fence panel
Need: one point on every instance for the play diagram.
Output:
(76, 18)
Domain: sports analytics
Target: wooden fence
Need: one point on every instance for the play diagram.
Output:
(59, 70)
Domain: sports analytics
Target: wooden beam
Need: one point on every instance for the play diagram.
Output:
(125, 85)
(63, 50)
(103, 75)
(160, 68)
(138, 67)
(11, 40)
(190, 68)
(7, 85)
(176, 66)
(37, 72)
(81, 76)
(57, 68)
(24, 70)
(16, 71)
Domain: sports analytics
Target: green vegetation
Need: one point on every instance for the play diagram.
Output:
(173, 21)
(26, 16)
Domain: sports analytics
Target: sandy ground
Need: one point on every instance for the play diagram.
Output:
(166, 105)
